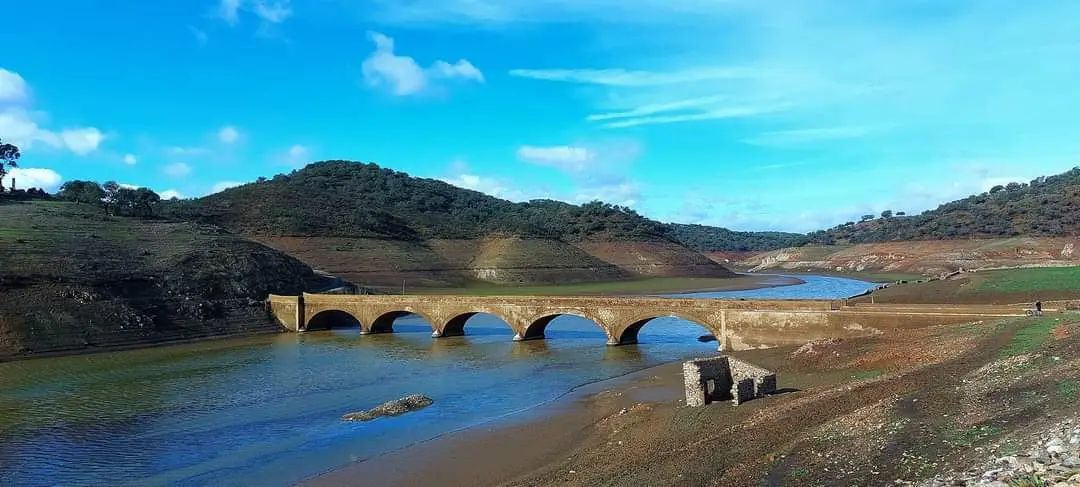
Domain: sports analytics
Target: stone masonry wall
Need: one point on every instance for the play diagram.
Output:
(725, 378)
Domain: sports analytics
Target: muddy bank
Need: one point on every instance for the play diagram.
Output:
(850, 409)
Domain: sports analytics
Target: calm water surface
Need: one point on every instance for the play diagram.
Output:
(266, 410)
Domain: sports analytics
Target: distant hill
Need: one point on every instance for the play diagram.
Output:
(1045, 207)
(375, 226)
(73, 278)
(349, 199)
(714, 239)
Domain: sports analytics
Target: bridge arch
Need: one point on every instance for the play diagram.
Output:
(384, 322)
(628, 334)
(455, 326)
(332, 318)
(535, 327)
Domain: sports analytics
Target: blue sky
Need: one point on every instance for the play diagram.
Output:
(749, 114)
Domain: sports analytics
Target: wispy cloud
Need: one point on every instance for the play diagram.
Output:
(622, 77)
(802, 136)
(177, 170)
(567, 158)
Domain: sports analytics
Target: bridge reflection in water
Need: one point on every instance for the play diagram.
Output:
(737, 324)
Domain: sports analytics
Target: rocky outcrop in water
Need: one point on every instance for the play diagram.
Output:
(397, 407)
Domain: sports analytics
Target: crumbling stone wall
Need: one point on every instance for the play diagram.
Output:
(725, 378)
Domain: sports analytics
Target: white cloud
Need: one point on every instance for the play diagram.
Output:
(273, 12)
(404, 76)
(82, 141)
(177, 170)
(186, 151)
(20, 127)
(200, 36)
(31, 177)
(563, 157)
(228, 134)
(486, 185)
(623, 193)
(229, 11)
(13, 88)
(268, 12)
(169, 194)
(297, 156)
(130, 159)
(129, 186)
(223, 185)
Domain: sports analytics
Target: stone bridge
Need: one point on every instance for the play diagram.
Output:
(737, 324)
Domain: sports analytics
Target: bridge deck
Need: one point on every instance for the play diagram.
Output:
(737, 323)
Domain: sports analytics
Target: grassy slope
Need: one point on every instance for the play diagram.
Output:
(72, 278)
(1007, 286)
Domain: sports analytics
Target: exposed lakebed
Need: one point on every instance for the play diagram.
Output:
(267, 410)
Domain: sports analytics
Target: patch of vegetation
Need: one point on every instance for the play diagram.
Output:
(1032, 335)
(799, 473)
(1032, 280)
(1069, 389)
(971, 436)
(867, 374)
(1029, 481)
(1046, 206)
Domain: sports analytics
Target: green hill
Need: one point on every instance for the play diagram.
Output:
(74, 278)
(1045, 207)
(378, 227)
(714, 239)
(348, 199)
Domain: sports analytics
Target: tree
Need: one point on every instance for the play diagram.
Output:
(867, 218)
(88, 192)
(887, 214)
(112, 190)
(997, 189)
(9, 157)
(901, 213)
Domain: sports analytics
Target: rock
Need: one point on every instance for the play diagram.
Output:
(1054, 442)
(1055, 450)
(706, 338)
(1071, 462)
(392, 408)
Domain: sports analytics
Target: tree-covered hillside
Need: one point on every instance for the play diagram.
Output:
(714, 239)
(350, 199)
(1047, 206)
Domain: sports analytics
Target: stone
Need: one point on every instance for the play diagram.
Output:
(1072, 461)
(725, 377)
(392, 408)
(1055, 449)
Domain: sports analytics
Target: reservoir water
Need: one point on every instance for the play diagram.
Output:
(266, 410)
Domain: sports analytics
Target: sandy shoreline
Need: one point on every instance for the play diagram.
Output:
(510, 447)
